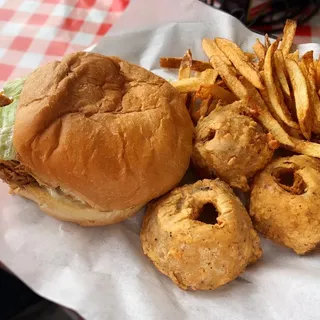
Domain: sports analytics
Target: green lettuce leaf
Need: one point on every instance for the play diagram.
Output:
(11, 89)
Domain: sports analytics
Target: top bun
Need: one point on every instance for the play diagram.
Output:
(103, 130)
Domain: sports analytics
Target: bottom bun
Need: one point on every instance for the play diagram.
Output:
(65, 209)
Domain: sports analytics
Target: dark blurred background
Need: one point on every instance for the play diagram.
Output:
(268, 16)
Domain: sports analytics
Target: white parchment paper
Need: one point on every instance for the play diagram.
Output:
(101, 272)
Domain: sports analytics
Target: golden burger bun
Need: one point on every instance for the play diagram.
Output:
(106, 132)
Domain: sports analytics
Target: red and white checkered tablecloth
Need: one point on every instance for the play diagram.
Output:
(33, 32)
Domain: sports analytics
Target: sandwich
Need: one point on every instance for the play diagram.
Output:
(92, 139)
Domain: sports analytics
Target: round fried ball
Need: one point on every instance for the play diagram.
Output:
(285, 202)
(200, 235)
(230, 145)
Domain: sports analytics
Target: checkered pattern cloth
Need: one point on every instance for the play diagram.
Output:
(33, 32)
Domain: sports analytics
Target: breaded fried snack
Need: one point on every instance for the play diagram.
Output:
(200, 235)
(285, 202)
(231, 145)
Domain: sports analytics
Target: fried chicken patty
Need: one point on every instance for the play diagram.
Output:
(231, 145)
(14, 173)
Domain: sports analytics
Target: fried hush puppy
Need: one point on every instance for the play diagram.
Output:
(200, 235)
(285, 203)
(231, 145)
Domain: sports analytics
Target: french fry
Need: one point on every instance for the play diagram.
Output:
(187, 85)
(210, 48)
(265, 97)
(306, 147)
(222, 42)
(240, 61)
(174, 63)
(204, 106)
(316, 112)
(222, 94)
(250, 56)
(185, 70)
(254, 100)
(194, 108)
(185, 66)
(294, 56)
(193, 84)
(289, 101)
(228, 75)
(307, 67)
(291, 131)
(301, 97)
(246, 91)
(216, 92)
(288, 35)
(277, 103)
(209, 76)
(267, 42)
(260, 50)
(281, 71)
(317, 67)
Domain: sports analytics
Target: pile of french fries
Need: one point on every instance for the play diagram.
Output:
(280, 89)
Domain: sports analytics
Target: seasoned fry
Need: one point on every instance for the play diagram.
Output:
(209, 76)
(216, 92)
(229, 77)
(288, 35)
(240, 61)
(204, 106)
(193, 84)
(265, 97)
(294, 56)
(187, 85)
(267, 42)
(255, 101)
(317, 67)
(307, 148)
(174, 63)
(250, 56)
(301, 97)
(220, 93)
(185, 70)
(307, 67)
(316, 112)
(222, 42)
(260, 50)
(185, 66)
(194, 108)
(277, 103)
(281, 71)
(210, 48)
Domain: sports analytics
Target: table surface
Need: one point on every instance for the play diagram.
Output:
(33, 32)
